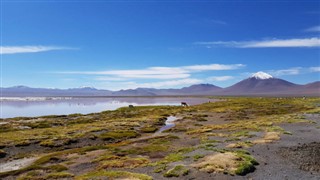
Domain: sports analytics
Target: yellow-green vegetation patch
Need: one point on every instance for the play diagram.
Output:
(59, 175)
(47, 143)
(31, 175)
(150, 148)
(37, 174)
(102, 174)
(197, 157)
(245, 144)
(185, 150)
(57, 168)
(78, 126)
(159, 168)
(218, 162)
(153, 145)
(268, 138)
(179, 170)
(247, 163)
(123, 162)
(173, 157)
(119, 135)
(274, 129)
(237, 162)
(161, 165)
(148, 129)
(163, 139)
(242, 134)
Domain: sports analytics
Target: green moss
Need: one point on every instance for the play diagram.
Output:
(57, 168)
(105, 157)
(243, 133)
(173, 157)
(160, 168)
(205, 140)
(31, 175)
(59, 175)
(186, 150)
(153, 148)
(197, 157)
(247, 164)
(163, 139)
(40, 124)
(148, 129)
(124, 162)
(177, 171)
(274, 129)
(118, 135)
(102, 174)
(47, 143)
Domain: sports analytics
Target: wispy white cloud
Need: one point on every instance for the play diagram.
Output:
(106, 78)
(208, 22)
(213, 67)
(315, 69)
(313, 29)
(273, 43)
(286, 72)
(217, 21)
(179, 72)
(219, 78)
(28, 49)
(123, 77)
(161, 84)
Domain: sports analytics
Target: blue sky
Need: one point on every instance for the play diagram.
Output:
(169, 44)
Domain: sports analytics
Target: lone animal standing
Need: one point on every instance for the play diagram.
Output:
(184, 104)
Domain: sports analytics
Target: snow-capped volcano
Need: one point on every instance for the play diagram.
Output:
(261, 75)
(260, 83)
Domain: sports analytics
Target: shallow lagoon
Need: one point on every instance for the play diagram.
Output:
(29, 107)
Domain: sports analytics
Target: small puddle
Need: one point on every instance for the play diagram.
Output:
(16, 164)
(169, 124)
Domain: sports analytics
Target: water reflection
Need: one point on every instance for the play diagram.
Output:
(168, 124)
(60, 106)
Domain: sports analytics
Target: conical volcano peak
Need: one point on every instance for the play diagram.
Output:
(261, 75)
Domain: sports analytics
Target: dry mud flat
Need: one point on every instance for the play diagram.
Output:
(306, 156)
(295, 156)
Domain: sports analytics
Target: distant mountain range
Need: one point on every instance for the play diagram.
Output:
(258, 84)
